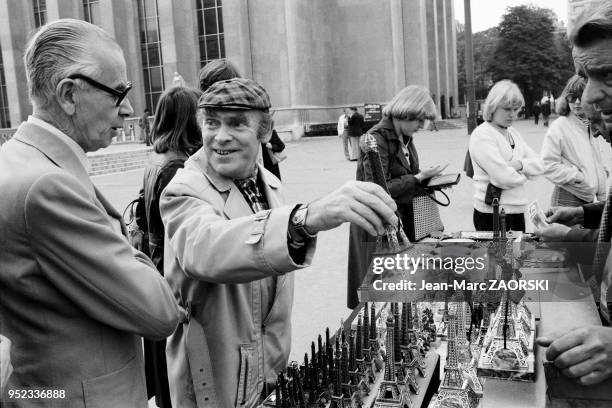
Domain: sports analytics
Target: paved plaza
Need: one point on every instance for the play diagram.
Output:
(316, 166)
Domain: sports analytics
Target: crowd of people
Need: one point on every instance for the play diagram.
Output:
(211, 291)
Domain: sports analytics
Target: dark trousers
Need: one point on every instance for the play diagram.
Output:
(484, 221)
(536, 118)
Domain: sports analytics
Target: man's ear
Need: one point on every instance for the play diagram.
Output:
(266, 138)
(65, 94)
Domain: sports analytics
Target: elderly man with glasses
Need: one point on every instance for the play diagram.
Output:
(76, 297)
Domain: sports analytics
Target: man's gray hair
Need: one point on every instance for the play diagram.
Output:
(58, 49)
(592, 25)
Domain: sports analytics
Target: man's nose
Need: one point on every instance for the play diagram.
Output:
(222, 134)
(593, 92)
(125, 108)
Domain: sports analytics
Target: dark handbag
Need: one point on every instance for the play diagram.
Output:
(492, 192)
(135, 219)
(467, 165)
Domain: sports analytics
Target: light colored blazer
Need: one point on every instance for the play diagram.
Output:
(491, 153)
(218, 258)
(74, 295)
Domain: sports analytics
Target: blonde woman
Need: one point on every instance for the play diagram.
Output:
(502, 159)
(571, 155)
(402, 118)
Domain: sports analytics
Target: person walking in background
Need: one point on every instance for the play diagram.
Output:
(546, 110)
(176, 136)
(502, 160)
(343, 132)
(354, 131)
(394, 134)
(537, 109)
(570, 154)
(145, 127)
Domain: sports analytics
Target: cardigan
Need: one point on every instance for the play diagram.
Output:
(569, 150)
(491, 153)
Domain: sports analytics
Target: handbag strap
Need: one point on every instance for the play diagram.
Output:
(435, 200)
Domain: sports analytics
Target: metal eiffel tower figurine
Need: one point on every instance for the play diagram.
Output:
(390, 394)
(396, 238)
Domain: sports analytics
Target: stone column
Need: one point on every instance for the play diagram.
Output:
(178, 32)
(120, 19)
(57, 9)
(415, 48)
(16, 23)
(398, 45)
(291, 25)
(236, 26)
(433, 61)
(452, 53)
(442, 55)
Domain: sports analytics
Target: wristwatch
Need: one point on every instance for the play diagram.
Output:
(298, 221)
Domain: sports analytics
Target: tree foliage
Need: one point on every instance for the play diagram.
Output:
(483, 44)
(529, 47)
(529, 51)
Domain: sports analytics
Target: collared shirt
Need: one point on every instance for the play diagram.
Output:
(80, 153)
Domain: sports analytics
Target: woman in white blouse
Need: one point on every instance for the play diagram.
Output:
(502, 158)
(571, 155)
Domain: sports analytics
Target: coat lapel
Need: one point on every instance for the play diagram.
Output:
(110, 210)
(55, 150)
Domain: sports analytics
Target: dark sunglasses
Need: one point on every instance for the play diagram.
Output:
(120, 95)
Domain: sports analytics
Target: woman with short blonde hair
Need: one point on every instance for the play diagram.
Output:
(504, 94)
(502, 160)
(411, 103)
(402, 118)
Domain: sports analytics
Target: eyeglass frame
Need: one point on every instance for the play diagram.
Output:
(120, 95)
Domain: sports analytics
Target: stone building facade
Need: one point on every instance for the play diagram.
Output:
(313, 56)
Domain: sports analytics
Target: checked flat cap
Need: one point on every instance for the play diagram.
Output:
(235, 93)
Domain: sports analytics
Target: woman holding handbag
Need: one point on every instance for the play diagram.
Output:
(502, 160)
(402, 118)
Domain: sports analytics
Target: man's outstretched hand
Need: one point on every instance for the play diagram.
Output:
(361, 203)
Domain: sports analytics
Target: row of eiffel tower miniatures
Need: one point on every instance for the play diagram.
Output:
(349, 373)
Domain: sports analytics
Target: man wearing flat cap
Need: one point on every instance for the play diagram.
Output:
(230, 247)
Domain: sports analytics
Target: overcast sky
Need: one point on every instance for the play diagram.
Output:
(487, 13)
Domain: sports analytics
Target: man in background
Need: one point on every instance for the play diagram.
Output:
(354, 131)
(145, 127)
(343, 133)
